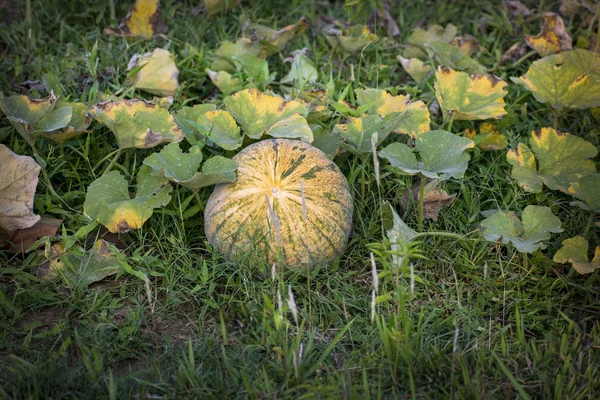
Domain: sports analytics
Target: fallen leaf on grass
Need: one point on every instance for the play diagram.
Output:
(433, 200)
(575, 251)
(465, 97)
(18, 181)
(225, 53)
(274, 40)
(570, 79)
(21, 240)
(25, 110)
(302, 72)
(182, 168)
(514, 52)
(553, 38)
(108, 202)
(158, 74)
(517, 9)
(351, 39)
(137, 123)
(79, 268)
(216, 7)
(527, 235)
(144, 20)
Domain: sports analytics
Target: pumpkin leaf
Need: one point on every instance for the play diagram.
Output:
(396, 230)
(143, 20)
(453, 57)
(303, 71)
(528, 234)
(570, 79)
(416, 68)
(352, 39)
(358, 132)
(108, 201)
(79, 122)
(137, 123)
(586, 189)
(216, 7)
(79, 268)
(187, 118)
(220, 128)
(442, 155)
(158, 74)
(25, 110)
(465, 97)
(18, 181)
(575, 251)
(261, 113)
(54, 120)
(490, 138)
(553, 38)
(411, 118)
(274, 40)
(224, 61)
(419, 37)
(326, 140)
(224, 81)
(561, 159)
(182, 168)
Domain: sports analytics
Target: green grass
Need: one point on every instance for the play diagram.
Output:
(482, 321)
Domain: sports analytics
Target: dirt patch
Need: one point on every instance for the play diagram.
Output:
(177, 330)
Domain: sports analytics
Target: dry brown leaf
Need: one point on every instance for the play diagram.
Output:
(433, 200)
(553, 38)
(516, 9)
(22, 239)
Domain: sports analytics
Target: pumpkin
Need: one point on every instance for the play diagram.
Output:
(289, 204)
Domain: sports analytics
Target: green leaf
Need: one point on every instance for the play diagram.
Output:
(465, 97)
(561, 159)
(220, 128)
(434, 33)
(182, 168)
(570, 79)
(274, 40)
(490, 138)
(223, 55)
(352, 39)
(55, 120)
(396, 230)
(108, 201)
(416, 68)
(303, 71)
(527, 236)
(18, 181)
(25, 110)
(223, 80)
(452, 57)
(575, 251)
(261, 113)
(186, 119)
(442, 155)
(586, 189)
(137, 123)
(358, 132)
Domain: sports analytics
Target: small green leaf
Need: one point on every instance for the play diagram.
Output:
(55, 119)
(303, 71)
(358, 132)
(351, 39)
(575, 251)
(223, 55)
(442, 155)
(108, 201)
(452, 57)
(223, 80)
(527, 236)
(396, 230)
(416, 68)
(570, 79)
(220, 128)
(25, 110)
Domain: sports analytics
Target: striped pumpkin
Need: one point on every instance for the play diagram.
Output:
(289, 204)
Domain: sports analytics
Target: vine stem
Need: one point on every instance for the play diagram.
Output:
(421, 196)
(112, 162)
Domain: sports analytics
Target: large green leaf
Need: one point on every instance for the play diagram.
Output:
(108, 201)
(137, 123)
(442, 155)
(220, 128)
(527, 235)
(575, 251)
(261, 113)
(588, 190)
(182, 168)
(570, 79)
(561, 159)
(357, 132)
(467, 97)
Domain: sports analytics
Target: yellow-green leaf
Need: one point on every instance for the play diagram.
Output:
(224, 81)
(261, 113)
(108, 201)
(137, 123)
(216, 7)
(434, 33)
(25, 110)
(575, 251)
(570, 79)
(352, 39)
(144, 20)
(553, 38)
(561, 160)
(467, 97)
(416, 68)
(158, 74)
(18, 180)
(224, 61)
(588, 190)
(490, 138)
(274, 40)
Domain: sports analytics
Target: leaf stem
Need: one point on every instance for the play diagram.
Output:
(112, 162)
(449, 127)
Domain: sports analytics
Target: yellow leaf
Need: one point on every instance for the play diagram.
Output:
(467, 97)
(553, 38)
(144, 20)
(158, 74)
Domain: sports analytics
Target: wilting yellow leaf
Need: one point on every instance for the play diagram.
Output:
(467, 97)
(553, 38)
(158, 75)
(490, 138)
(144, 20)
(575, 251)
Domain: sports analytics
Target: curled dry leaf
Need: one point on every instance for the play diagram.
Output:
(158, 74)
(18, 181)
(137, 123)
(21, 240)
(553, 38)
(433, 199)
(513, 53)
(143, 20)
